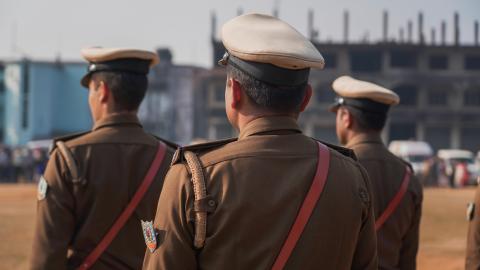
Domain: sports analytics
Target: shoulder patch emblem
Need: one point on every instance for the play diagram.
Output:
(470, 211)
(150, 235)
(42, 188)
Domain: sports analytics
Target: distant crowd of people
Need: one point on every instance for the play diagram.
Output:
(437, 172)
(21, 164)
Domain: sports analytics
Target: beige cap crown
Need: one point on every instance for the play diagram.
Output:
(348, 87)
(266, 39)
(98, 54)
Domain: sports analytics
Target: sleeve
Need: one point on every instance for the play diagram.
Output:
(55, 220)
(473, 237)
(175, 231)
(365, 256)
(408, 252)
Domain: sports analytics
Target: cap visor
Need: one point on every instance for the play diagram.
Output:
(333, 108)
(86, 80)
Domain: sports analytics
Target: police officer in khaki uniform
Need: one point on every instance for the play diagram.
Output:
(473, 237)
(92, 178)
(241, 203)
(361, 109)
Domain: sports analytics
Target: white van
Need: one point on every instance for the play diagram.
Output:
(414, 152)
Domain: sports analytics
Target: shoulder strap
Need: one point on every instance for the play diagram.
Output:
(307, 207)
(342, 150)
(167, 142)
(65, 138)
(395, 201)
(197, 148)
(70, 161)
(125, 215)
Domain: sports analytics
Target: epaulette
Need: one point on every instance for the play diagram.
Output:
(342, 150)
(405, 162)
(169, 143)
(196, 148)
(68, 157)
(65, 138)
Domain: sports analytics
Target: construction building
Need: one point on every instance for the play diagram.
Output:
(438, 83)
(167, 110)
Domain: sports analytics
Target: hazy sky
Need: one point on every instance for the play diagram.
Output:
(42, 29)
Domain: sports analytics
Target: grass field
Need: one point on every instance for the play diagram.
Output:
(442, 244)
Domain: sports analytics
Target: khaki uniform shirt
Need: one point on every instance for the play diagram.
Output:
(112, 159)
(399, 235)
(259, 182)
(473, 238)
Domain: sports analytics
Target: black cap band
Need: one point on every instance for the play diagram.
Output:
(131, 65)
(127, 65)
(363, 104)
(268, 73)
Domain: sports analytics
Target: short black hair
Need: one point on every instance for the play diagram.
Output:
(128, 89)
(275, 98)
(368, 121)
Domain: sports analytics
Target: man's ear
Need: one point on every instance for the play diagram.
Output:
(306, 98)
(104, 94)
(236, 93)
(346, 117)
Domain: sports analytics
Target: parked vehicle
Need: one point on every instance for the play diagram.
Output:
(460, 166)
(417, 153)
(39, 144)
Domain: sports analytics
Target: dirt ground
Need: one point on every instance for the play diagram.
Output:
(444, 228)
(442, 244)
(17, 210)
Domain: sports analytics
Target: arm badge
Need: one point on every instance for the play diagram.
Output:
(42, 188)
(150, 235)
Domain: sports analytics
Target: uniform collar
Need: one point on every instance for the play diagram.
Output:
(117, 119)
(364, 138)
(268, 124)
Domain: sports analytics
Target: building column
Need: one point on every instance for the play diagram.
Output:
(456, 134)
(420, 131)
(343, 62)
(422, 99)
(458, 102)
(386, 61)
